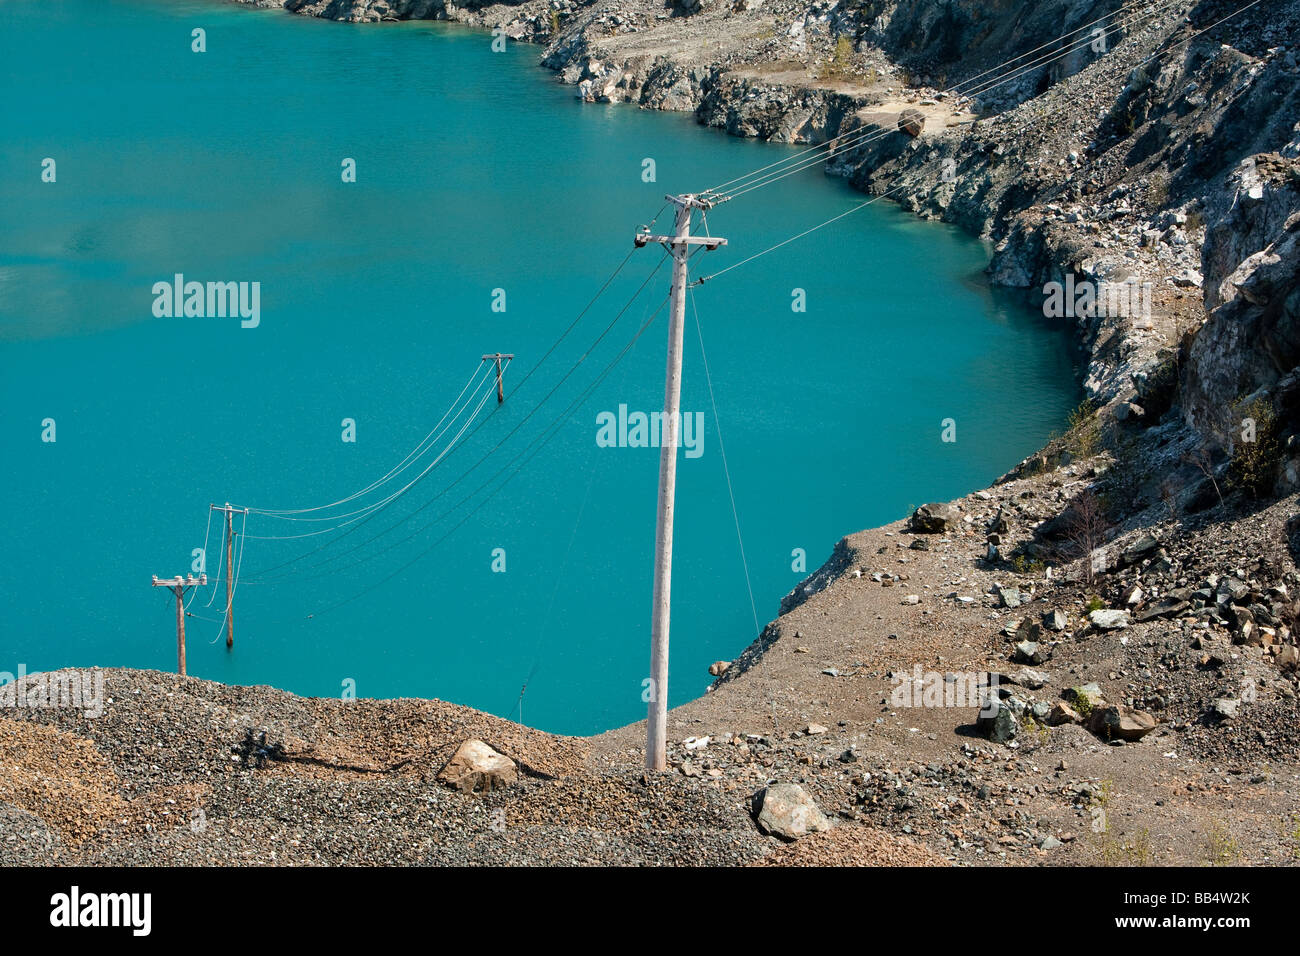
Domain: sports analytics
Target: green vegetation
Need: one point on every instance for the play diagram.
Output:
(1255, 457)
(1033, 732)
(1082, 705)
(839, 66)
(1027, 565)
(1131, 850)
(1083, 439)
(1220, 847)
(1094, 603)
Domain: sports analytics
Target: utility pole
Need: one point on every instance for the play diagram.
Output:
(178, 586)
(679, 246)
(497, 357)
(230, 570)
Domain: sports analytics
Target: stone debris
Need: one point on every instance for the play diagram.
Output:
(477, 768)
(786, 810)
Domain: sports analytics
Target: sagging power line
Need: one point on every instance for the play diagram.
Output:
(679, 246)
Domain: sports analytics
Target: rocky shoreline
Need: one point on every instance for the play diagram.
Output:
(1098, 160)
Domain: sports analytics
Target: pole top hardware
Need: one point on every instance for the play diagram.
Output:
(704, 200)
(189, 581)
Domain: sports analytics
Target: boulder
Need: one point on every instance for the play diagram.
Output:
(1165, 607)
(999, 727)
(1227, 707)
(785, 810)
(1029, 652)
(1118, 722)
(477, 767)
(1129, 412)
(911, 122)
(1143, 547)
(1063, 713)
(934, 519)
(1031, 631)
(1106, 620)
(1027, 677)
(1055, 620)
(718, 668)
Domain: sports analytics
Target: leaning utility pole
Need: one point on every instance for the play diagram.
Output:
(230, 570)
(178, 585)
(679, 246)
(497, 357)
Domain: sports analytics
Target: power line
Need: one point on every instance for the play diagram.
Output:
(844, 142)
(259, 576)
(397, 469)
(379, 505)
(726, 469)
(206, 534)
(898, 186)
(577, 402)
(490, 451)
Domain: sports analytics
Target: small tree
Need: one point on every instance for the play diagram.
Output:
(1201, 460)
(1086, 530)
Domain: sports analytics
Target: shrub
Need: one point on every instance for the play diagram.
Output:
(1027, 565)
(1254, 464)
(1083, 438)
(1131, 850)
(1082, 704)
(1220, 847)
(840, 62)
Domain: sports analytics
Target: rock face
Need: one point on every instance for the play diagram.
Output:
(1038, 175)
(476, 767)
(786, 810)
(1250, 344)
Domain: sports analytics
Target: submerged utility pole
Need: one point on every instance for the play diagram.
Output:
(497, 357)
(178, 586)
(230, 570)
(679, 246)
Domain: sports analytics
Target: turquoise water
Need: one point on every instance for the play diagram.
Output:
(476, 171)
